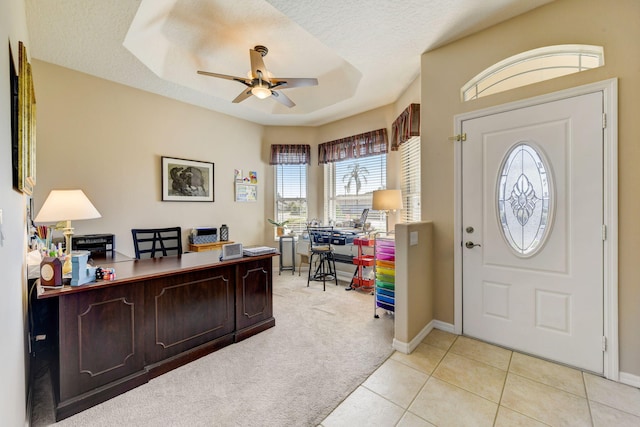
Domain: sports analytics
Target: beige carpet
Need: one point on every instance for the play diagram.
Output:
(323, 346)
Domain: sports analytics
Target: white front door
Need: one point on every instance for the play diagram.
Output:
(532, 230)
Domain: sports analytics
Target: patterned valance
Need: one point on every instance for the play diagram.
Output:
(290, 154)
(364, 145)
(405, 126)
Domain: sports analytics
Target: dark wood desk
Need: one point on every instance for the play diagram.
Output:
(156, 316)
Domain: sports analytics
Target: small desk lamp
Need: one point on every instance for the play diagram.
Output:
(64, 206)
(387, 200)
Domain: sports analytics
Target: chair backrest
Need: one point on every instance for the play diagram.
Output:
(320, 237)
(157, 242)
(363, 219)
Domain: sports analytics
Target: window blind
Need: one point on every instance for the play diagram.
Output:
(291, 196)
(349, 185)
(410, 179)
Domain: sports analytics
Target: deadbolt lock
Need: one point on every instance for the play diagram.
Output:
(469, 229)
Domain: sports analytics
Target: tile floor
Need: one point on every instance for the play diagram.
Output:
(452, 380)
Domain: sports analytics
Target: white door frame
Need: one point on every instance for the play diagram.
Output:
(610, 207)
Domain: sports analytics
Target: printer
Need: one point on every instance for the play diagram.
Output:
(99, 245)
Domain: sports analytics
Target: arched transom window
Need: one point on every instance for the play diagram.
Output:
(531, 67)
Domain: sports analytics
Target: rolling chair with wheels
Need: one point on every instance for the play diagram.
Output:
(157, 242)
(321, 251)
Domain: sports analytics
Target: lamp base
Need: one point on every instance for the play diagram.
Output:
(68, 234)
(67, 267)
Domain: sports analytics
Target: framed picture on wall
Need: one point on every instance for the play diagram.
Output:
(23, 123)
(15, 144)
(246, 192)
(187, 180)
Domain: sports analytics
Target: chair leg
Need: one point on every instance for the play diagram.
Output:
(335, 273)
(309, 275)
(325, 267)
(324, 274)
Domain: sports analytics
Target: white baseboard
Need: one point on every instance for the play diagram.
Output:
(630, 379)
(445, 327)
(407, 348)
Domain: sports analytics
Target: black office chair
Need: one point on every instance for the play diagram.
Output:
(157, 242)
(320, 240)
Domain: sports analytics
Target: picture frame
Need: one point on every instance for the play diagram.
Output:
(26, 124)
(23, 123)
(15, 143)
(187, 180)
(246, 192)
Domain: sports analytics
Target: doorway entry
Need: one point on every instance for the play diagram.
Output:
(534, 223)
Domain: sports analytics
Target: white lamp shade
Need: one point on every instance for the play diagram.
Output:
(66, 205)
(387, 200)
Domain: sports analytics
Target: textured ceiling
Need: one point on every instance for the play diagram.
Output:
(364, 53)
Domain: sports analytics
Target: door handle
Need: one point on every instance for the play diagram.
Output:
(471, 245)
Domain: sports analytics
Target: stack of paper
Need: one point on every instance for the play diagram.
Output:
(258, 250)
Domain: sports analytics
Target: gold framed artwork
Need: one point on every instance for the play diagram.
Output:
(24, 118)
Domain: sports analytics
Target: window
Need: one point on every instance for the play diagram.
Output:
(410, 179)
(525, 195)
(291, 196)
(349, 185)
(533, 66)
(290, 164)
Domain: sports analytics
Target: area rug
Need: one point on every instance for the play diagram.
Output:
(323, 346)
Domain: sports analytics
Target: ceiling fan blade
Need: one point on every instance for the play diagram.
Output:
(282, 98)
(282, 83)
(242, 80)
(258, 69)
(243, 95)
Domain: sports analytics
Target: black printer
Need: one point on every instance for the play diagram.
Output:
(100, 245)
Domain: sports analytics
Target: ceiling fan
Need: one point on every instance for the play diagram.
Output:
(260, 84)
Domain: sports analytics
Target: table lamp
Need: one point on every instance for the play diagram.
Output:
(64, 206)
(387, 200)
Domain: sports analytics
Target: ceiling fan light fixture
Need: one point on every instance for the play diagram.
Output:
(261, 92)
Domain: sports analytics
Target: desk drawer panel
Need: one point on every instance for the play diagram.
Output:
(99, 341)
(185, 311)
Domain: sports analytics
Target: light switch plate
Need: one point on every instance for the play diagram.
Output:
(413, 238)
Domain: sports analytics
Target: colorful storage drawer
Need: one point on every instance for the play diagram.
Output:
(385, 272)
(385, 285)
(387, 292)
(385, 264)
(385, 299)
(385, 306)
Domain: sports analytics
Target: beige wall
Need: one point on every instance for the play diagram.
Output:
(445, 70)
(108, 139)
(13, 242)
(414, 283)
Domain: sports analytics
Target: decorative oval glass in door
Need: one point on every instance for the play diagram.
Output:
(525, 196)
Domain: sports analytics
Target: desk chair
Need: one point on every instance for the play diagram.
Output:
(320, 240)
(363, 219)
(303, 250)
(152, 242)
